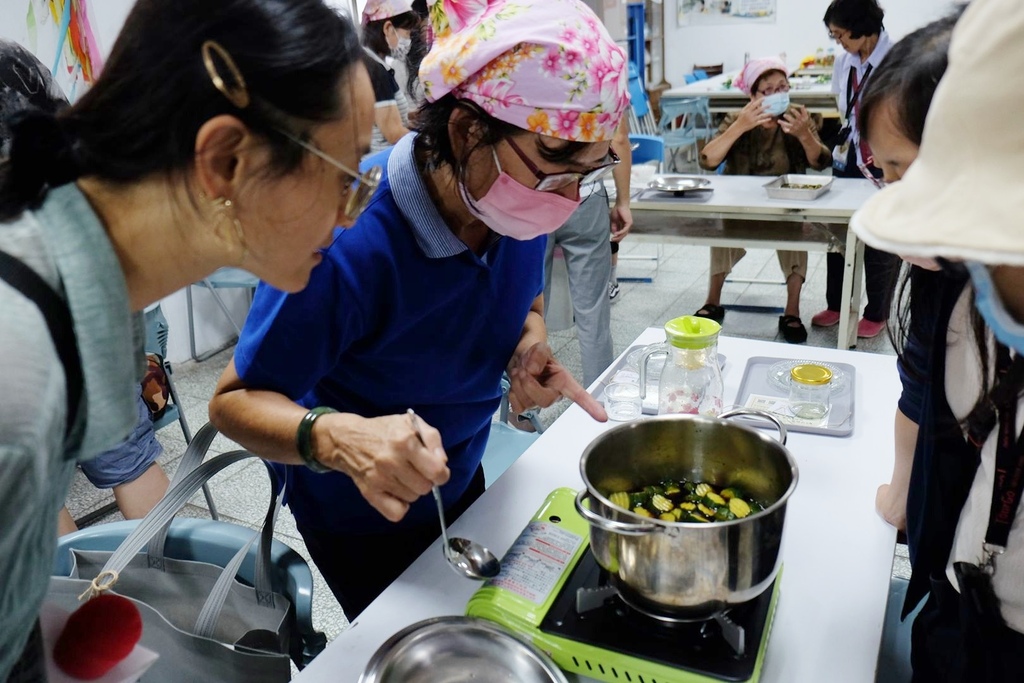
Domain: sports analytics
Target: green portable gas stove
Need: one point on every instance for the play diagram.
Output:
(552, 590)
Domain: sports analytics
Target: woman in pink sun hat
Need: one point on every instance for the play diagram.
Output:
(434, 294)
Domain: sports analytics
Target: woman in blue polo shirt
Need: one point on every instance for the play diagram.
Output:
(433, 294)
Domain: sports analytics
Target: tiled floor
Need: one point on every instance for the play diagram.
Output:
(678, 288)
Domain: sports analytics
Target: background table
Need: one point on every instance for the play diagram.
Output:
(666, 217)
(805, 90)
(837, 552)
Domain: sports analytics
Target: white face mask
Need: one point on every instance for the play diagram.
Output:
(776, 104)
(401, 50)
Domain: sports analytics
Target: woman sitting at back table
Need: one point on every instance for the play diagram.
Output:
(767, 137)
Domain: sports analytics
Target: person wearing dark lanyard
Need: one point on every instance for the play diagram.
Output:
(857, 26)
(963, 513)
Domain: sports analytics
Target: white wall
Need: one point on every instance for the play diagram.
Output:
(798, 31)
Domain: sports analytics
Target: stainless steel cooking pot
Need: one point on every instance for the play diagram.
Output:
(687, 571)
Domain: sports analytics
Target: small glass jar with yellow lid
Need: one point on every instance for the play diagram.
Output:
(809, 389)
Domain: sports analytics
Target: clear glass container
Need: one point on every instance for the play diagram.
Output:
(810, 387)
(691, 380)
(622, 401)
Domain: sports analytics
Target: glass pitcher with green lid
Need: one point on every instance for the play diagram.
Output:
(691, 381)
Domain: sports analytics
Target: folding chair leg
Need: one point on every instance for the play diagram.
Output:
(209, 503)
(191, 322)
(186, 432)
(223, 307)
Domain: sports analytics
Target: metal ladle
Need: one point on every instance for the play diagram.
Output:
(466, 558)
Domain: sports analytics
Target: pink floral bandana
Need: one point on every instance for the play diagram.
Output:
(548, 66)
(376, 10)
(756, 68)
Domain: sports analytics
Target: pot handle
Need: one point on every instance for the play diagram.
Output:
(624, 528)
(747, 412)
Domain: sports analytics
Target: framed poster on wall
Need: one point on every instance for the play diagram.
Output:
(706, 12)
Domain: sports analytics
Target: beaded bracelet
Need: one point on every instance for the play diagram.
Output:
(303, 439)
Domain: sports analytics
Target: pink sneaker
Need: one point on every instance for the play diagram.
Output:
(866, 329)
(826, 318)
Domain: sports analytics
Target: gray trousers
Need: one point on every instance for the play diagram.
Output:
(584, 240)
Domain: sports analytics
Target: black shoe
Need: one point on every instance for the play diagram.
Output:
(712, 312)
(794, 334)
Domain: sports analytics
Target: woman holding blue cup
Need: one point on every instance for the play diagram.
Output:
(769, 137)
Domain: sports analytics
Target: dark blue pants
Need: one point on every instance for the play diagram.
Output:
(880, 268)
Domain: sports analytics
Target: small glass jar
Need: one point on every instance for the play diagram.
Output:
(622, 401)
(810, 388)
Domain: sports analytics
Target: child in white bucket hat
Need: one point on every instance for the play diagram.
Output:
(961, 202)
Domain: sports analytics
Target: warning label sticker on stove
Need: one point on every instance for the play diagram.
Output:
(537, 560)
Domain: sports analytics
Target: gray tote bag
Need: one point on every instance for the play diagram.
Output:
(204, 623)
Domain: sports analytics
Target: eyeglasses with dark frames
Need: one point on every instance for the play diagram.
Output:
(549, 182)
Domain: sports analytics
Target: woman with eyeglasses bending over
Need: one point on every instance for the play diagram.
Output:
(770, 137)
(893, 111)
(191, 151)
(856, 25)
(433, 295)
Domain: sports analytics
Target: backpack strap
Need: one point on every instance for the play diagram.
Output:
(58, 319)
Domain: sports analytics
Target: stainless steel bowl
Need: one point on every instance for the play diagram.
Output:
(687, 571)
(678, 183)
(459, 650)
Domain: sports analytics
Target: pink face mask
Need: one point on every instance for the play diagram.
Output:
(514, 210)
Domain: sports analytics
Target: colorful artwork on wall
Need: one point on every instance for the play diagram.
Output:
(77, 57)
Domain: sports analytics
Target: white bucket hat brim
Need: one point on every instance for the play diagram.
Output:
(963, 198)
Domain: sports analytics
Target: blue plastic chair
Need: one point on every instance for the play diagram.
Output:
(647, 148)
(216, 543)
(677, 137)
(641, 117)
